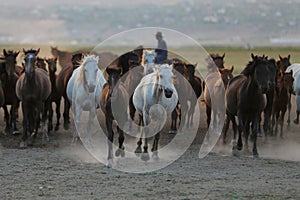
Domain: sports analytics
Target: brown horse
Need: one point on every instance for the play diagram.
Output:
(9, 78)
(55, 97)
(2, 97)
(61, 85)
(214, 95)
(285, 82)
(40, 63)
(245, 99)
(33, 88)
(114, 94)
(196, 84)
(64, 57)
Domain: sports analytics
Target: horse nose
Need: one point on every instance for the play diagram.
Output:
(168, 92)
(92, 88)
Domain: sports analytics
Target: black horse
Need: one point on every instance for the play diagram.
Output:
(244, 99)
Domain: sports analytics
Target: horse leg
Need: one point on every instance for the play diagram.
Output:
(173, 128)
(120, 150)
(50, 123)
(131, 112)
(281, 122)
(225, 128)
(289, 107)
(241, 129)
(191, 113)
(296, 121)
(138, 149)
(247, 132)
(57, 103)
(254, 135)
(23, 143)
(77, 114)
(45, 108)
(145, 155)
(66, 114)
(272, 123)
(183, 111)
(6, 116)
(277, 121)
(155, 147)
(90, 124)
(15, 107)
(208, 115)
(110, 140)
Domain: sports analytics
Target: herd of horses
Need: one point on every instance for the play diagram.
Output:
(264, 87)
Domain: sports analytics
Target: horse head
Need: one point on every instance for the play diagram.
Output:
(40, 63)
(54, 51)
(283, 63)
(76, 60)
(273, 71)
(257, 69)
(10, 62)
(226, 75)
(114, 74)
(288, 81)
(148, 63)
(215, 60)
(51, 64)
(89, 71)
(30, 61)
(190, 71)
(164, 77)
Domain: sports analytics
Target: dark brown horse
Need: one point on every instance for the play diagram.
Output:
(114, 94)
(285, 82)
(196, 84)
(40, 63)
(2, 97)
(64, 57)
(245, 99)
(33, 88)
(55, 97)
(61, 85)
(9, 78)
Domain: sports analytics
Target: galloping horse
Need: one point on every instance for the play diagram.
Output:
(113, 97)
(281, 98)
(83, 90)
(214, 95)
(9, 79)
(155, 88)
(61, 85)
(55, 97)
(245, 99)
(196, 84)
(33, 88)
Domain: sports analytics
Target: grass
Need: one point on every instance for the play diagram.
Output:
(236, 56)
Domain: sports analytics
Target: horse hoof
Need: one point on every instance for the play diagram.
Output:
(66, 126)
(296, 121)
(255, 155)
(56, 128)
(119, 152)
(145, 157)
(172, 132)
(138, 151)
(109, 163)
(23, 145)
(235, 152)
(155, 156)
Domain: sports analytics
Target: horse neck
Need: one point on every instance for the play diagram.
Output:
(252, 86)
(52, 76)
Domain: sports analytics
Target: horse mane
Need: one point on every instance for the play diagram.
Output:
(86, 59)
(250, 67)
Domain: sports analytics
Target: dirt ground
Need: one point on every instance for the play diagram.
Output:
(60, 170)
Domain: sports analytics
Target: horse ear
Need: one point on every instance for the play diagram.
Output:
(16, 54)
(4, 52)
(24, 51)
(289, 56)
(195, 65)
(232, 68)
(252, 56)
(37, 52)
(291, 72)
(223, 56)
(280, 57)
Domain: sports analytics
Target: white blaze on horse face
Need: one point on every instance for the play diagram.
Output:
(90, 72)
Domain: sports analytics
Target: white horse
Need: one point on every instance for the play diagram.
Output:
(83, 90)
(296, 75)
(155, 88)
(148, 61)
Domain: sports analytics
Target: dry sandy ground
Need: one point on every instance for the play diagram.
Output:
(62, 171)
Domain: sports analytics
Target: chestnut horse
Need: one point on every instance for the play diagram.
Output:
(55, 97)
(61, 86)
(33, 88)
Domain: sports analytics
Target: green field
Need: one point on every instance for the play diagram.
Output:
(236, 56)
